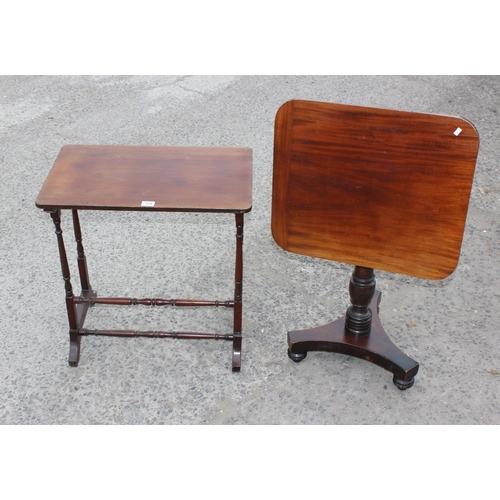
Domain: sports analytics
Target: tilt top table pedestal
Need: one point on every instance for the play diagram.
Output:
(378, 189)
(147, 179)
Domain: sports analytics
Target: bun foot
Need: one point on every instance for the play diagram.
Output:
(402, 384)
(296, 356)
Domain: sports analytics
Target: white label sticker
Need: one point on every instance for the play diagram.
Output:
(148, 204)
(457, 131)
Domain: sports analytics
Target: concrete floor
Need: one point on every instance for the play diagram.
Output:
(449, 327)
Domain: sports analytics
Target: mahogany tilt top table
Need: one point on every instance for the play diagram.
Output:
(148, 179)
(376, 188)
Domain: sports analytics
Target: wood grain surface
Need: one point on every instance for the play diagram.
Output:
(203, 179)
(377, 188)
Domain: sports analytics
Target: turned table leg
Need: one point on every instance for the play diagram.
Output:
(238, 295)
(74, 337)
(82, 261)
(87, 292)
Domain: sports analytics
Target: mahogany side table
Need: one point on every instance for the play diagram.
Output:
(147, 179)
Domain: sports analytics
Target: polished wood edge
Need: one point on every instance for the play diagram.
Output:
(49, 208)
(368, 109)
(282, 152)
(157, 146)
(435, 276)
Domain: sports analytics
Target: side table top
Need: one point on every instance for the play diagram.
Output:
(154, 178)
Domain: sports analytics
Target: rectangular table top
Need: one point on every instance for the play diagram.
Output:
(154, 178)
(378, 188)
